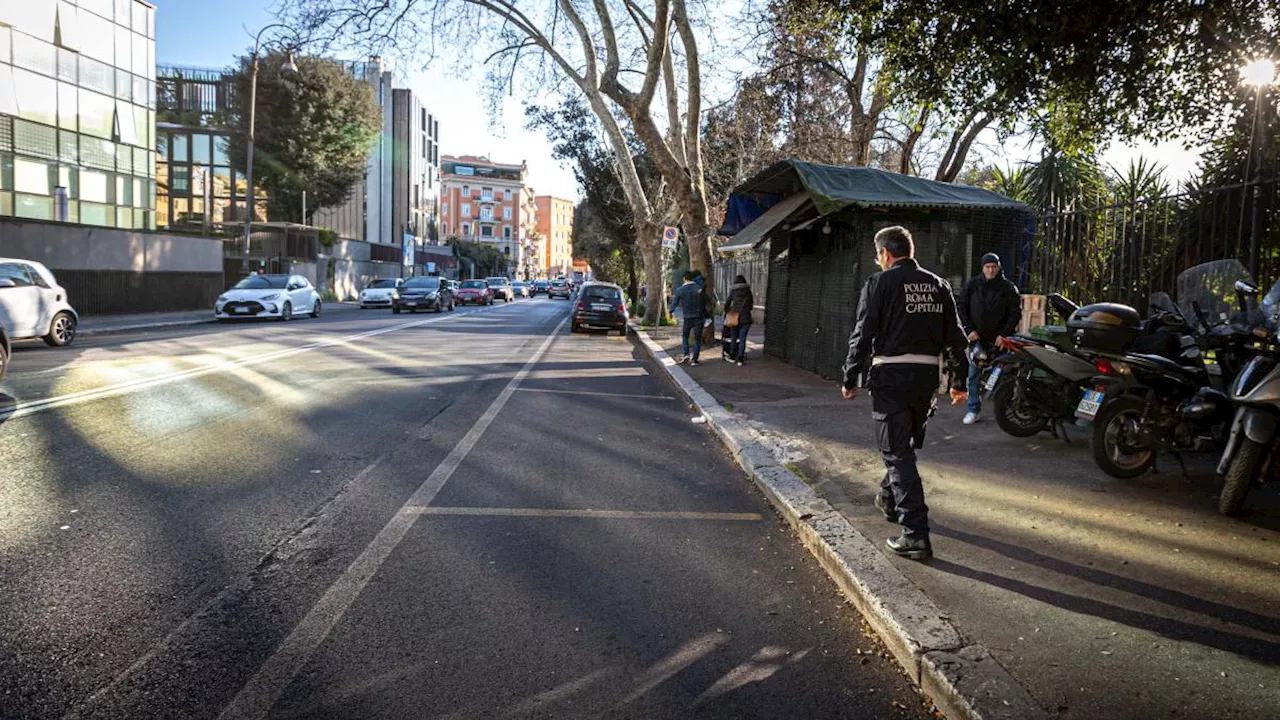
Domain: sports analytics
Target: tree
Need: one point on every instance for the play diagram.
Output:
(739, 139)
(592, 48)
(313, 132)
(1123, 69)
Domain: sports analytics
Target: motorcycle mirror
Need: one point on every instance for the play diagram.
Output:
(1246, 287)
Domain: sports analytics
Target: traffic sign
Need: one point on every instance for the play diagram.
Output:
(669, 236)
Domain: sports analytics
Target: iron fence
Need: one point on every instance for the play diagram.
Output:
(752, 265)
(1125, 251)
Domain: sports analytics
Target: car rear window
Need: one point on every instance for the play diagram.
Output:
(602, 293)
(475, 284)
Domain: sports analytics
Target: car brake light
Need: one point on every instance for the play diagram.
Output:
(581, 305)
(1104, 367)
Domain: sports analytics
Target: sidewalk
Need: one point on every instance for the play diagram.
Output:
(1102, 598)
(98, 324)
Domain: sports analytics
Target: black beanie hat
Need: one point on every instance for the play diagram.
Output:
(991, 258)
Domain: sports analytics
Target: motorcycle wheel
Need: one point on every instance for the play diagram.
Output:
(1013, 417)
(1241, 473)
(1114, 453)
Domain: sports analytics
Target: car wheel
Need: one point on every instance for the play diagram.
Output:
(62, 330)
(286, 312)
(395, 310)
(315, 310)
(573, 328)
(4, 360)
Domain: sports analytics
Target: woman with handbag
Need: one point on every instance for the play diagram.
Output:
(737, 320)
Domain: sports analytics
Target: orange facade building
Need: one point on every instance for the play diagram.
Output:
(555, 227)
(487, 202)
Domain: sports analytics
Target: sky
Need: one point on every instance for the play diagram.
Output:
(210, 33)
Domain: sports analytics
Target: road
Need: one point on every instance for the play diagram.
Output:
(470, 514)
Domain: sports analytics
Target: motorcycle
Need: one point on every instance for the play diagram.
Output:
(1252, 445)
(1044, 379)
(1142, 404)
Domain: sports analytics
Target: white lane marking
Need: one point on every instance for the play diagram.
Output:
(571, 513)
(597, 394)
(30, 407)
(687, 655)
(213, 602)
(262, 691)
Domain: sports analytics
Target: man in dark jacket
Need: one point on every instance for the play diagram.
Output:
(906, 323)
(990, 310)
(689, 298)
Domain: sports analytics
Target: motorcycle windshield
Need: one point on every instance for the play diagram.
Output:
(1271, 306)
(1211, 286)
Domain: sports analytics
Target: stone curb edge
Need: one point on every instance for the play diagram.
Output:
(141, 326)
(962, 678)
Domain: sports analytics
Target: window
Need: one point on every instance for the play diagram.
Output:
(466, 210)
(466, 191)
(506, 231)
(200, 149)
(17, 273)
(466, 229)
(506, 194)
(180, 148)
(486, 231)
(30, 177)
(486, 213)
(444, 208)
(506, 213)
(486, 193)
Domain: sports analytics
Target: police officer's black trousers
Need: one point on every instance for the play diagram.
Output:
(903, 399)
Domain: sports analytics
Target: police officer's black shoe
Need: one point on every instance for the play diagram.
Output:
(913, 548)
(890, 514)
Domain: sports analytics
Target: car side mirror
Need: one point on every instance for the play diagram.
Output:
(7, 283)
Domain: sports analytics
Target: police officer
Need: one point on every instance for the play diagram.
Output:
(906, 323)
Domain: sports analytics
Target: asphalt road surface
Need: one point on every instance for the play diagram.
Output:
(469, 514)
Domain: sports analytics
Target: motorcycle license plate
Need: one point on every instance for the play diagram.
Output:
(1089, 404)
(992, 379)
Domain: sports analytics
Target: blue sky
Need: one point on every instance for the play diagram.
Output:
(210, 33)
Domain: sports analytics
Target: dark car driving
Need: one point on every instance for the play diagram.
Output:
(423, 293)
(540, 286)
(600, 306)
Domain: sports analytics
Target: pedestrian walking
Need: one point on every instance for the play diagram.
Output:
(737, 320)
(689, 298)
(990, 310)
(905, 326)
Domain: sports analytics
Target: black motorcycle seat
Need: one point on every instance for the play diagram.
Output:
(1167, 364)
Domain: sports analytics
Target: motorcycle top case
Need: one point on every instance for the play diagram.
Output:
(1109, 327)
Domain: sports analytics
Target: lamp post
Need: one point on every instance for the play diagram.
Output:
(250, 201)
(1260, 75)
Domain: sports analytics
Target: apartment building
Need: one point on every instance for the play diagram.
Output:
(487, 202)
(555, 225)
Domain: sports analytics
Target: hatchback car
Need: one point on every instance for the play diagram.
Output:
(379, 292)
(423, 293)
(33, 305)
(501, 289)
(540, 286)
(559, 288)
(475, 292)
(600, 306)
(268, 296)
(521, 289)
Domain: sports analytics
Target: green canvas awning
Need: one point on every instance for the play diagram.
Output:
(833, 188)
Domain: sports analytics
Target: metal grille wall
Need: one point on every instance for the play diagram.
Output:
(776, 323)
(107, 292)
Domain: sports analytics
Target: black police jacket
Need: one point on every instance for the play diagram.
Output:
(906, 310)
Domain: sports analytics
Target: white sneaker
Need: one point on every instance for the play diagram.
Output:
(971, 418)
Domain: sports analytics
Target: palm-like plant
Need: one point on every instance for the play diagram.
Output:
(1143, 180)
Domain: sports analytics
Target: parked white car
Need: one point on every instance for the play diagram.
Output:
(33, 305)
(268, 296)
(379, 293)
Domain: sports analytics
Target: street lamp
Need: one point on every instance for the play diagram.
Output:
(290, 67)
(1260, 75)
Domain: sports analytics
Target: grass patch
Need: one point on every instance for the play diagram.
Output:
(799, 473)
(728, 406)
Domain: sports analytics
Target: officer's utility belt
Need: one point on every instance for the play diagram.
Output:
(934, 360)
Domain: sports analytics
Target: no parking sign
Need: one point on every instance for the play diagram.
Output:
(669, 236)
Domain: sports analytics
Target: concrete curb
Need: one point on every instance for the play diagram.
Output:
(961, 678)
(142, 326)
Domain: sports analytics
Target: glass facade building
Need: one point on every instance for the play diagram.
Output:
(77, 111)
(196, 185)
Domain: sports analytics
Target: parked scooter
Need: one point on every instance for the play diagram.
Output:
(1044, 380)
(1255, 431)
(1143, 404)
